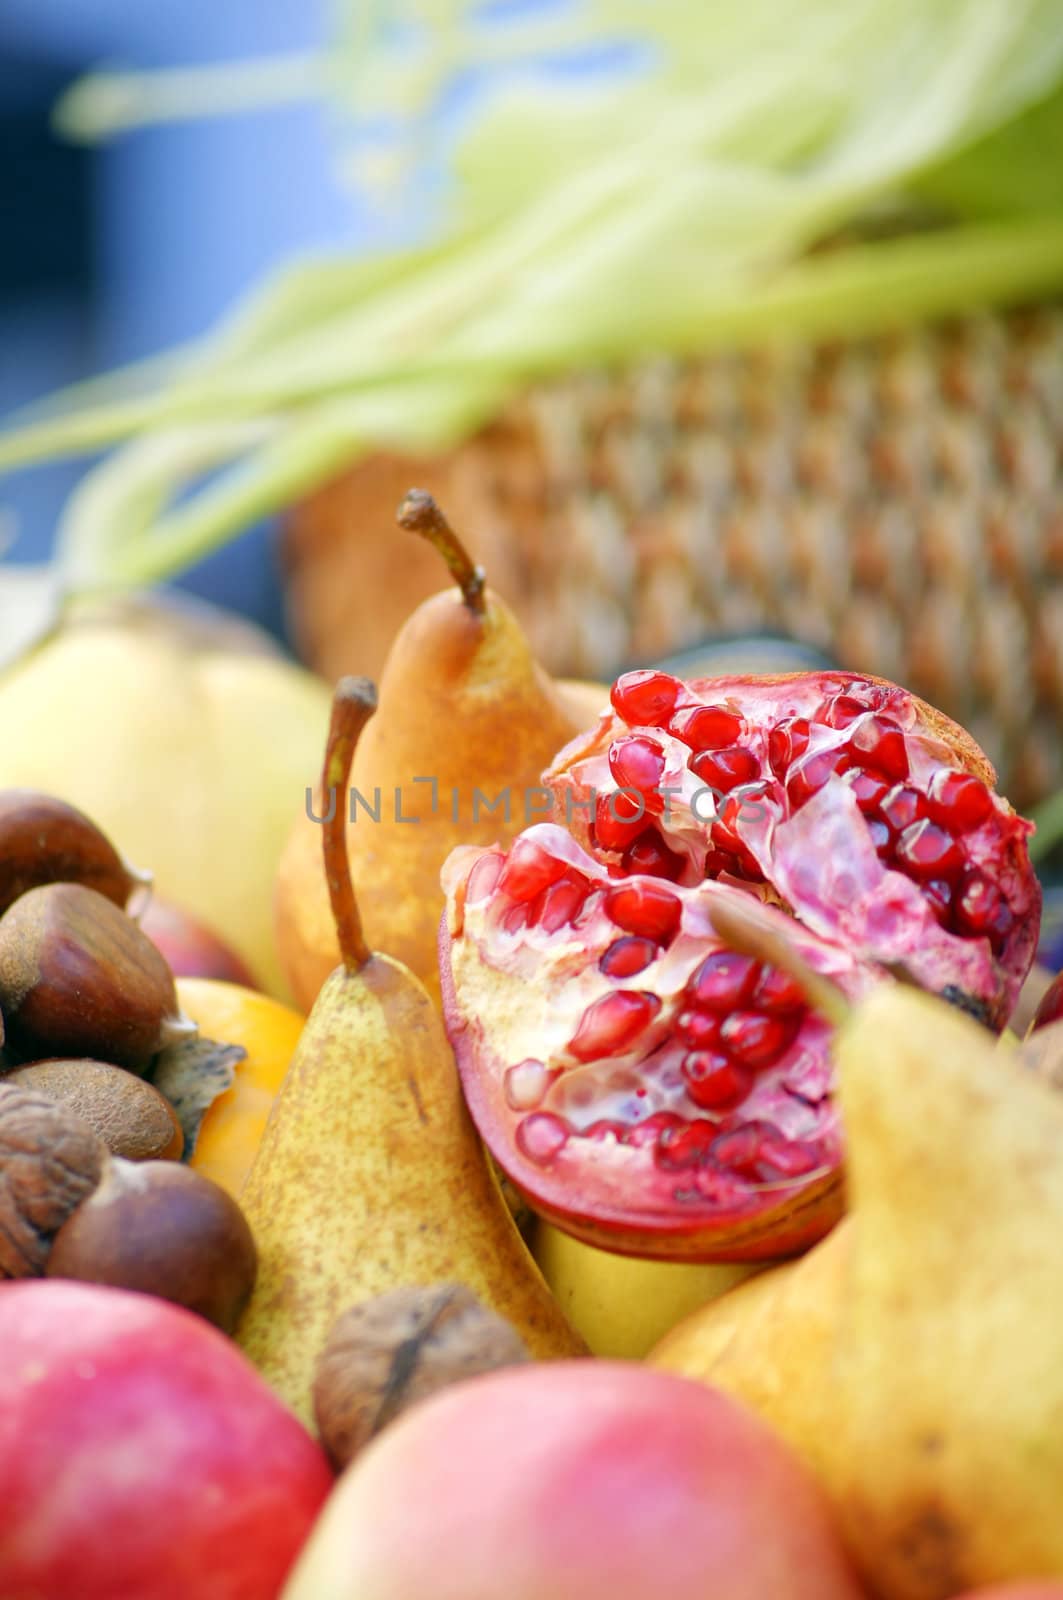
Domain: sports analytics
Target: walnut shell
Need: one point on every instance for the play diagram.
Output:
(388, 1352)
(50, 1161)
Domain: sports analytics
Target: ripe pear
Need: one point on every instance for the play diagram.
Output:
(916, 1356)
(466, 716)
(370, 1174)
(186, 737)
(622, 1305)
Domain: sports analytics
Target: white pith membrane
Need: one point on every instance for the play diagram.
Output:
(648, 1135)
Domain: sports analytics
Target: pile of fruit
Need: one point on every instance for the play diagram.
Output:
(653, 1202)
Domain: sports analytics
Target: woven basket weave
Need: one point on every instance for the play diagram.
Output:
(895, 502)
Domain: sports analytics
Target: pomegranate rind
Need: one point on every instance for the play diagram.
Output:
(516, 996)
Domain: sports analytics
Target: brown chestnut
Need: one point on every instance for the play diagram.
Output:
(160, 1228)
(45, 840)
(79, 978)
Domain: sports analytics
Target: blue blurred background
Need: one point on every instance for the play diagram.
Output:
(110, 255)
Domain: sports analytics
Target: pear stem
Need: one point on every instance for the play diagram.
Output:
(353, 703)
(746, 928)
(419, 513)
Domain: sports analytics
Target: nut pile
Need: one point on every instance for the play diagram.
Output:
(90, 1181)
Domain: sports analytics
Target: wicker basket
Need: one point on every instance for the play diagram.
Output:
(894, 502)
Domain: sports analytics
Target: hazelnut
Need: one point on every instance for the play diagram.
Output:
(385, 1353)
(131, 1117)
(50, 1161)
(79, 978)
(162, 1229)
(44, 840)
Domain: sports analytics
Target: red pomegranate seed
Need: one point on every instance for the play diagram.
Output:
(528, 870)
(939, 893)
(713, 1082)
(645, 699)
(754, 1040)
(787, 742)
(686, 1146)
(649, 1131)
(791, 1159)
(959, 800)
(927, 851)
(840, 711)
(718, 862)
(604, 1130)
(739, 1149)
(542, 1136)
(809, 775)
(618, 819)
(723, 981)
(725, 837)
(610, 1024)
(626, 956)
(590, 908)
(723, 769)
(881, 834)
(869, 790)
(977, 905)
(879, 744)
(698, 1029)
(556, 906)
(515, 919)
(637, 763)
(649, 855)
(648, 909)
(484, 877)
(903, 806)
(778, 992)
(707, 727)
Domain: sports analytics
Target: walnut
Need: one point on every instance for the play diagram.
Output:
(50, 1161)
(388, 1352)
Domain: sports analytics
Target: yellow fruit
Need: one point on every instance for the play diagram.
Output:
(370, 1175)
(622, 1305)
(190, 750)
(914, 1357)
(232, 1129)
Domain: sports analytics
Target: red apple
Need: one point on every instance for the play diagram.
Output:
(141, 1455)
(192, 949)
(593, 1480)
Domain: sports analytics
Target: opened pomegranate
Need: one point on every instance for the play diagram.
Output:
(648, 1088)
(645, 1086)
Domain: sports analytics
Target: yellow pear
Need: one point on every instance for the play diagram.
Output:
(468, 722)
(185, 740)
(768, 1341)
(916, 1356)
(370, 1175)
(622, 1305)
